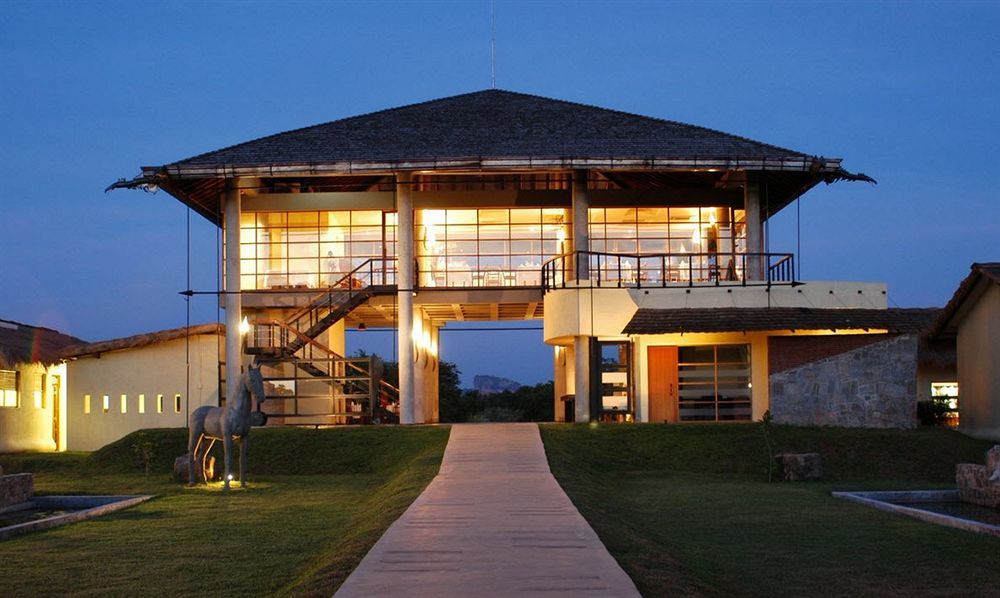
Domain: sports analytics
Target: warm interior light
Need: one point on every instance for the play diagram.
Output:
(244, 326)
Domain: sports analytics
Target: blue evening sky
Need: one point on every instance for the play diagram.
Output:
(89, 91)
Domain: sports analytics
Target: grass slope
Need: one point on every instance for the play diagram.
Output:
(686, 509)
(288, 533)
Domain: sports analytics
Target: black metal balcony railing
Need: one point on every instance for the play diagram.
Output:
(664, 270)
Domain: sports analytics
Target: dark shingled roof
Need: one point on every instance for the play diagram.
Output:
(491, 124)
(21, 343)
(946, 324)
(140, 340)
(664, 321)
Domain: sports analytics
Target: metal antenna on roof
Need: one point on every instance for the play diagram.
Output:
(493, 44)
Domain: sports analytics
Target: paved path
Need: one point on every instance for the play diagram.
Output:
(494, 522)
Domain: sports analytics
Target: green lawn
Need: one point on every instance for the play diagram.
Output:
(686, 509)
(288, 533)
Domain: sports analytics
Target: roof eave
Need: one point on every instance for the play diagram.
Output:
(828, 169)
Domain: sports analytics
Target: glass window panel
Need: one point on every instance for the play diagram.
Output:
(248, 266)
(697, 354)
(391, 219)
(555, 215)
(683, 215)
(734, 354)
(620, 215)
(248, 234)
(653, 246)
(621, 246)
(248, 219)
(248, 282)
(552, 248)
(461, 232)
(525, 231)
(526, 216)
(557, 232)
(657, 215)
(462, 217)
(493, 247)
(272, 219)
(491, 231)
(494, 217)
(303, 219)
(366, 218)
(299, 250)
(493, 262)
(462, 247)
(366, 233)
(526, 246)
(595, 215)
(338, 219)
(300, 266)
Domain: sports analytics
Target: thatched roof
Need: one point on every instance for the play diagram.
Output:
(140, 340)
(21, 343)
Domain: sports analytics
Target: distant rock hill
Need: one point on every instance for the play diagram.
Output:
(488, 385)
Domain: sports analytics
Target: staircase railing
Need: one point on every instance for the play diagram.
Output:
(323, 309)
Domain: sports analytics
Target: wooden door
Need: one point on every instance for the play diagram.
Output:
(662, 366)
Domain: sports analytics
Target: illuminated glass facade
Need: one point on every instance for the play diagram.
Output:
(490, 247)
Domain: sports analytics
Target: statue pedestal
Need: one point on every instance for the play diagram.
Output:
(181, 469)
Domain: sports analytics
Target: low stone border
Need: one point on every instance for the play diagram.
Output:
(91, 506)
(879, 501)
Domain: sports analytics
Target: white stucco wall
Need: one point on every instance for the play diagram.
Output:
(605, 311)
(29, 427)
(151, 370)
(979, 367)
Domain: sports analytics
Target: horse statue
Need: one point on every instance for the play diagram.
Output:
(226, 423)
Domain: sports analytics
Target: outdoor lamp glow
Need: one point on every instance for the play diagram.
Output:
(244, 326)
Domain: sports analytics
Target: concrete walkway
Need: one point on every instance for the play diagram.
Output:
(494, 522)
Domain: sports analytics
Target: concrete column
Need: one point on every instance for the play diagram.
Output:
(404, 281)
(434, 391)
(581, 219)
(581, 374)
(233, 302)
(755, 228)
(559, 380)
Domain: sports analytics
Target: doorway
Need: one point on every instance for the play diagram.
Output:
(662, 365)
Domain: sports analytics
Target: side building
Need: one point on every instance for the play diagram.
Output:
(145, 381)
(972, 321)
(32, 388)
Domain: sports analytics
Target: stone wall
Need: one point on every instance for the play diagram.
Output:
(870, 387)
(16, 488)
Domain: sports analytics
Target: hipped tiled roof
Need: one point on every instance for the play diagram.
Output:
(140, 340)
(946, 324)
(666, 321)
(490, 124)
(21, 343)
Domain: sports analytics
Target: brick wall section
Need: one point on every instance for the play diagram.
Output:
(16, 488)
(874, 386)
(787, 352)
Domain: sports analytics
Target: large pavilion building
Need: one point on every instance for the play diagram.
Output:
(639, 242)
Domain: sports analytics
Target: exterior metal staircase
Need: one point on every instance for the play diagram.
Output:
(312, 384)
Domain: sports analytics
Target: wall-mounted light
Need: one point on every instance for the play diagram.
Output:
(244, 326)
